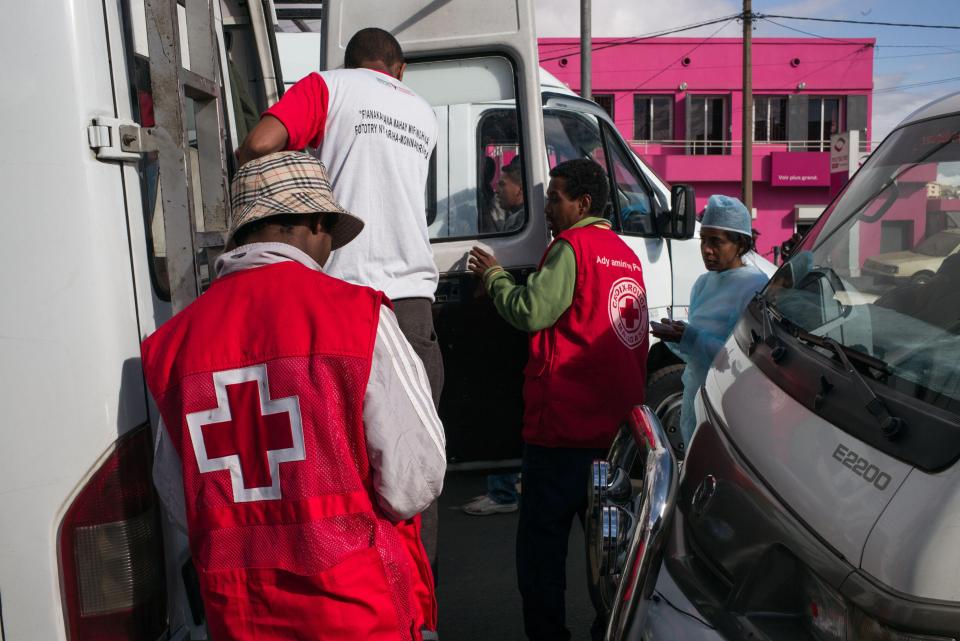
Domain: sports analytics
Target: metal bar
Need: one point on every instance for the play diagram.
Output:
(213, 185)
(200, 42)
(261, 38)
(198, 87)
(170, 133)
(585, 48)
(747, 174)
(660, 488)
(284, 13)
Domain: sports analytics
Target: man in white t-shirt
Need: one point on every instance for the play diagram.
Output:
(375, 136)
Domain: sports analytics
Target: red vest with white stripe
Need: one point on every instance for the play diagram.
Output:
(261, 383)
(589, 369)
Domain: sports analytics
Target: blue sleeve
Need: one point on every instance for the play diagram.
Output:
(703, 344)
(680, 349)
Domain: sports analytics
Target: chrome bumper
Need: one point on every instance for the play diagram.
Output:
(632, 496)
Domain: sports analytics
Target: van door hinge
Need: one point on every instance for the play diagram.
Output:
(118, 139)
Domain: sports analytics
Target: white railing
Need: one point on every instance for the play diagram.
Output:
(701, 146)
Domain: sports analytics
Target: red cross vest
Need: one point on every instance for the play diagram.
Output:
(260, 383)
(589, 369)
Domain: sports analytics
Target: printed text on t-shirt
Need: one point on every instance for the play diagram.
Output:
(401, 132)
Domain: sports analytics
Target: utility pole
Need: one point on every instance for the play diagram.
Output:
(747, 174)
(585, 38)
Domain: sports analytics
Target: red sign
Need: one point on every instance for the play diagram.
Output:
(800, 169)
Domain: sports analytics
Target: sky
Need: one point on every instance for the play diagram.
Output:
(903, 56)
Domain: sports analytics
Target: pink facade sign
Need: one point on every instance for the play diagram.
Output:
(799, 169)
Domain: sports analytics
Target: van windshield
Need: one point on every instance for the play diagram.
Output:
(879, 274)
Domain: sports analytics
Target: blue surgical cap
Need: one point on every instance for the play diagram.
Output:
(724, 212)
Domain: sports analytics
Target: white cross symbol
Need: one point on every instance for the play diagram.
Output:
(248, 433)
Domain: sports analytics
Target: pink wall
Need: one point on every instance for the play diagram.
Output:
(656, 66)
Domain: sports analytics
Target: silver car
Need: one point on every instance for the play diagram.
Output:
(820, 495)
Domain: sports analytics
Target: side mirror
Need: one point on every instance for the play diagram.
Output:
(683, 212)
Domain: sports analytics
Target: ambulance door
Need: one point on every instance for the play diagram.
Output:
(189, 81)
(476, 64)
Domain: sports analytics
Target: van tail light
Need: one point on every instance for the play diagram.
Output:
(111, 550)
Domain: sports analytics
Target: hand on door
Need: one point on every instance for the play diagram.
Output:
(668, 330)
(480, 261)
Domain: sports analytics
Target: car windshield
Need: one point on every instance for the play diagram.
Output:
(846, 281)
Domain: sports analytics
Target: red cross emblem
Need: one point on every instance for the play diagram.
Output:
(627, 308)
(248, 433)
(629, 312)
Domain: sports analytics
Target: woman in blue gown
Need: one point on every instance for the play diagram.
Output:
(717, 299)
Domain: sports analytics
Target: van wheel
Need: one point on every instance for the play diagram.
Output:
(665, 397)
(921, 278)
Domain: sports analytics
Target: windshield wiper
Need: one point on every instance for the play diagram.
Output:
(777, 349)
(890, 425)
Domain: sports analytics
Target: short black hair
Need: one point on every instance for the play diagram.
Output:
(583, 176)
(286, 221)
(513, 169)
(373, 45)
(743, 242)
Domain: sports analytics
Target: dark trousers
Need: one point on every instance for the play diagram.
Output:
(554, 491)
(415, 317)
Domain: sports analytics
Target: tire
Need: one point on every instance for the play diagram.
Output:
(664, 397)
(921, 278)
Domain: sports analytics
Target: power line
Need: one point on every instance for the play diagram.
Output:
(576, 52)
(807, 33)
(867, 22)
(645, 36)
(915, 85)
(875, 46)
(699, 44)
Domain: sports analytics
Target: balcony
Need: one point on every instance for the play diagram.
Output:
(772, 162)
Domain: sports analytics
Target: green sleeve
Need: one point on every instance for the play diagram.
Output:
(546, 296)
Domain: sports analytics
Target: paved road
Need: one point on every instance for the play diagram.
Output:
(478, 595)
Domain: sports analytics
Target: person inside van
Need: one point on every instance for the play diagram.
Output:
(717, 299)
(585, 309)
(510, 195)
(490, 212)
(506, 212)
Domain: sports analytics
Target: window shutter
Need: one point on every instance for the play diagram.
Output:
(797, 107)
(857, 118)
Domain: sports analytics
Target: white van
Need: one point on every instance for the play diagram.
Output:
(820, 497)
(121, 121)
(474, 96)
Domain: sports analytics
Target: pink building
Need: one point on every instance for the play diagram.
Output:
(679, 102)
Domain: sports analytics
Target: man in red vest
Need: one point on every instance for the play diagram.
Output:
(298, 435)
(586, 311)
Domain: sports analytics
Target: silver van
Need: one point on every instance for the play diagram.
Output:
(820, 496)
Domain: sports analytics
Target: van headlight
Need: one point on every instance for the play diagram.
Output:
(828, 616)
(825, 615)
(866, 628)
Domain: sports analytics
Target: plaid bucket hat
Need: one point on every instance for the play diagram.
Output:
(287, 182)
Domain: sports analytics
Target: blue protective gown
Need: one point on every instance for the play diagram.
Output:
(716, 302)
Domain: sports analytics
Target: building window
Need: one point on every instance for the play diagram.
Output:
(652, 117)
(895, 235)
(707, 124)
(605, 100)
(823, 120)
(770, 118)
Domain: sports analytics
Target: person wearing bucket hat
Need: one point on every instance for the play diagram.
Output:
(298, 440)
(716, 300)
